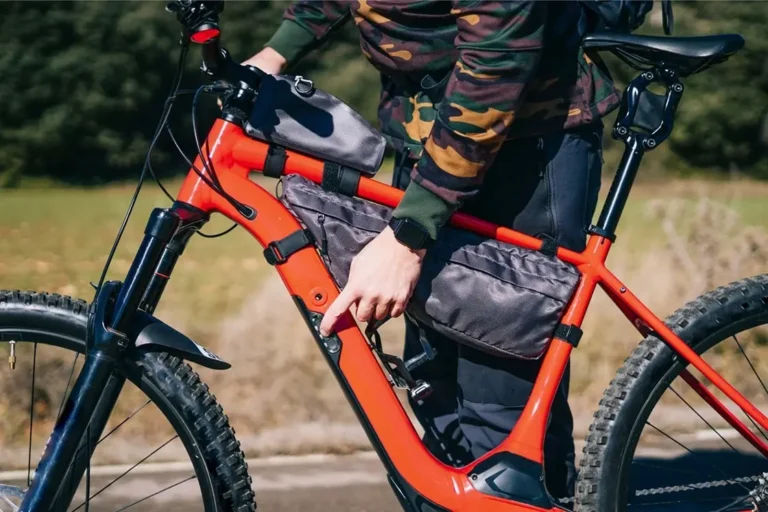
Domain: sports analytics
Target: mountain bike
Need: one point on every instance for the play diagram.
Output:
(118, 341)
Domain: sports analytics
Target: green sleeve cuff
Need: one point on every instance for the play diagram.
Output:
(292, 41)
(423, 206)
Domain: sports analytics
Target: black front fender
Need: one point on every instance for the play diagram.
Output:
(153, 335)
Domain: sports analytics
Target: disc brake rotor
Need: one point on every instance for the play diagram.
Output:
(10, 498)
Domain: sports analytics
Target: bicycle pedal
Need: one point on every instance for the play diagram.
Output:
(420, 391)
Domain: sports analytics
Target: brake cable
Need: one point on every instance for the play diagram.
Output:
(147, 165)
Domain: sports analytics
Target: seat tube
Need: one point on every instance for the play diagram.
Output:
(620, 187)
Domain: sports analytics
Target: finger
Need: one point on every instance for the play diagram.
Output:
(339, 306)
(382, 310)
(397, 309)
(365, 308)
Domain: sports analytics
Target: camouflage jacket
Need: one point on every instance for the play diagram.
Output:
(460, 77)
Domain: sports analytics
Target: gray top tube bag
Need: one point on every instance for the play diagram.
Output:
(290, 112)
(494, 296)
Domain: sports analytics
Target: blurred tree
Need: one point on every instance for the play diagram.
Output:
(722, 120)
(83, 84)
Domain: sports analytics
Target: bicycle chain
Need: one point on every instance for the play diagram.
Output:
(693, 487)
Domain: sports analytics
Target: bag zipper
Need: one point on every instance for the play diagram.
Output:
(323, 235)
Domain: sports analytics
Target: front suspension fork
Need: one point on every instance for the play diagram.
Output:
(92, 399)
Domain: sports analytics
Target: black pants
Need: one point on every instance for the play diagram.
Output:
(540, 185)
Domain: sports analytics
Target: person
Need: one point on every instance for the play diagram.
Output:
(492, 107)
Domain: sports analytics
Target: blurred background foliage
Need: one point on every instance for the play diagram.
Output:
(83, 83)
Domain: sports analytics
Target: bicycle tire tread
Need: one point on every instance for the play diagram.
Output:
(202, 414)
(692, 323)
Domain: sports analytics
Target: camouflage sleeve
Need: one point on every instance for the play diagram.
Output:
(306, 24)
(499, 45)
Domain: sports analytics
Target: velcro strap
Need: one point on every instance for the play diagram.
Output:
(278, 251)
(548, 246)
(569, 333)
(274, 165)
(340, 179)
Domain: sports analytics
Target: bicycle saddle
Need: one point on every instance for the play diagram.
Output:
(688, 55)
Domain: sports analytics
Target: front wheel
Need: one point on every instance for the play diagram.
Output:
(167, 443)
(655, 444)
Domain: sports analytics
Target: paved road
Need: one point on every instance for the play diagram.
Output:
(341, 484)
(309, 484)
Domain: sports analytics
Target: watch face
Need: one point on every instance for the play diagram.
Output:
(410, 233)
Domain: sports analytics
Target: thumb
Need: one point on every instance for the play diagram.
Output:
(339, 306)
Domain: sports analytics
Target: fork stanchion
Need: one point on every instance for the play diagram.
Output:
(90, 403)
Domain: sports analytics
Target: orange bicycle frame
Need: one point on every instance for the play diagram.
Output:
(415, 473)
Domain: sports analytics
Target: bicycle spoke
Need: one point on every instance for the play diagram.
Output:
(128, 470)
(681, 445)
(699, 500)
(713, 429)
(123, 422)
(750, 364)
(158, 492)
(732, 504)
(88, 469)
(31, 414)
(662, 468)
(757, 427)
(66, 389)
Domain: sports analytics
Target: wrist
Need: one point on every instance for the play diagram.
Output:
(268, 60)
(424, 207)
(390, 235)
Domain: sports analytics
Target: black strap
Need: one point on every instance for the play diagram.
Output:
(569, 333)
(274, 165)
(340, 179)
(278, 251)
(548, 245)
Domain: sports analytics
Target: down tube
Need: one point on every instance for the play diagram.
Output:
(307, 279)
(619, 293)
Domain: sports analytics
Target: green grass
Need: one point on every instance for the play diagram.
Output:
(57, 240)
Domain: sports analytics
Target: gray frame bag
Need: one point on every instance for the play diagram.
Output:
(494, 296)
(290, 112)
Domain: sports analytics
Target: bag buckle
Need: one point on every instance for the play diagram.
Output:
(277, 252)
(273, 256)
(304, 86)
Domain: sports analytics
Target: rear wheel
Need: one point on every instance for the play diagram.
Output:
(657, 445)
(167, 444)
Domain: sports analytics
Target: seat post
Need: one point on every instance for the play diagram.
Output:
(622, 184)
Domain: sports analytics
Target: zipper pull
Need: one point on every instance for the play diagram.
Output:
(541, 157)
(324, 238)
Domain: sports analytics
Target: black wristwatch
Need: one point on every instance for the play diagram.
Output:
(410, 233)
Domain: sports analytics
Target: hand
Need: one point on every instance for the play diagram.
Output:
(267, 60)
(381, 280)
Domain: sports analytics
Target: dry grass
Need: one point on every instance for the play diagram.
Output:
(677, 241)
